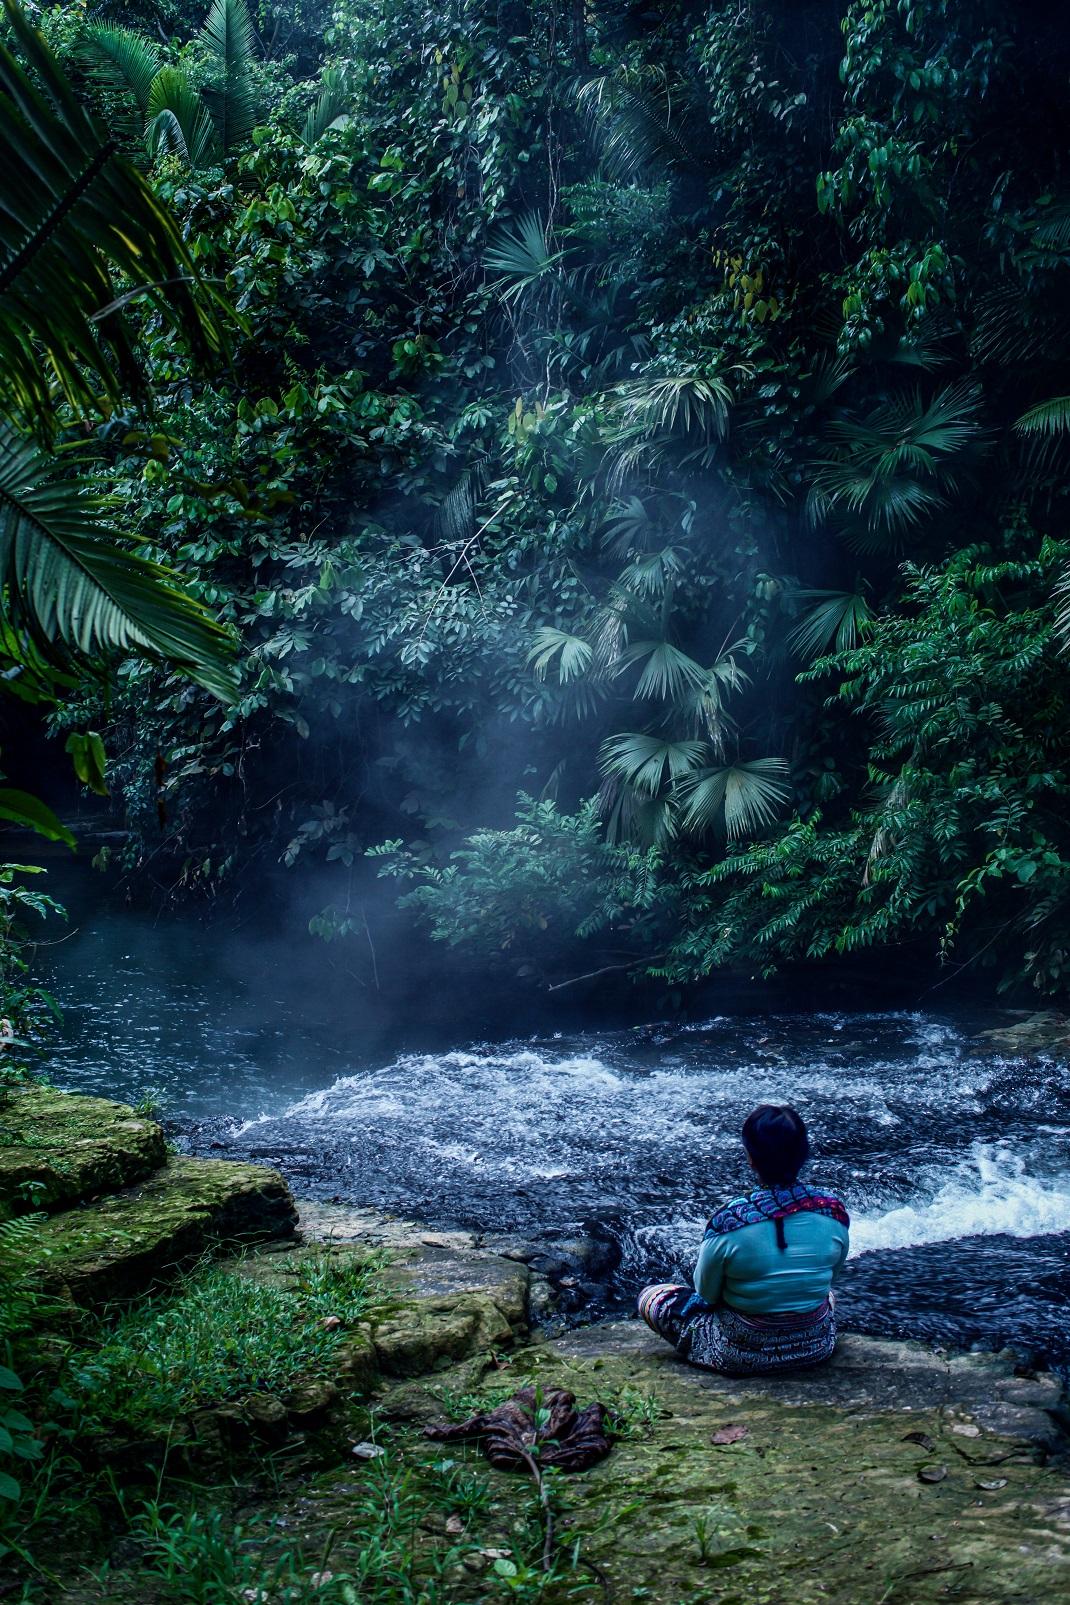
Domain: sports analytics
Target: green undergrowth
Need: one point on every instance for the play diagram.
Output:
(220, 1337)
(79, 1388)
(111, 1510)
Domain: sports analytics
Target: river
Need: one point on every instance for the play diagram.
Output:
(954, 1159)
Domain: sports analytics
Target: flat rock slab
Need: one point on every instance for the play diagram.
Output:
(140, 1236)
(865, 1375)
(891, 1477)
(445, 1298)
(57, 1148)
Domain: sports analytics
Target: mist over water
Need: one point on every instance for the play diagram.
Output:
(954, 1160)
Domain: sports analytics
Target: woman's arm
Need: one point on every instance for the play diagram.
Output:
(709, 1271)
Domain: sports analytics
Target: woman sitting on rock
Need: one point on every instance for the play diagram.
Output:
(761, 1300)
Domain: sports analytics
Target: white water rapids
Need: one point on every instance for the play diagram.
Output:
(954, 1160)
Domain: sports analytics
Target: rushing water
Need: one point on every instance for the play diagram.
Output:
(954, 1159)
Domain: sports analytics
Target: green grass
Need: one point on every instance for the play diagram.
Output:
(218, 1337)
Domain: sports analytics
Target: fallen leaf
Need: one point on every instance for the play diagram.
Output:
(932, 1473)
(454, 1525)
(992, 1484)
(964, 1430)
(367, 1451)
(331, 1323)
(321, 1579)
(729, 1434)
(922, 1438)
(497, 1554)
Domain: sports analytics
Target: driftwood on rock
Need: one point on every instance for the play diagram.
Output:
(541, 1425)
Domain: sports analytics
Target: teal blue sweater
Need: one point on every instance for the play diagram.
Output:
(747, 1271)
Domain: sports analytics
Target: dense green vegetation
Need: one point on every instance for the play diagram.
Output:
(653, 411)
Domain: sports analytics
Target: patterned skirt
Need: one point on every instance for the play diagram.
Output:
(735, 1344)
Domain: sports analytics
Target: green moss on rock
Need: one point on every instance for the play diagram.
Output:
(136, 1238)
(57, 1148)
(820, 1499)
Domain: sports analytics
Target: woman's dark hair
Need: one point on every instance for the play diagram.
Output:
(774, 1136)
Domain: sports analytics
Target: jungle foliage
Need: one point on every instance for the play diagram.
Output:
(655, 409)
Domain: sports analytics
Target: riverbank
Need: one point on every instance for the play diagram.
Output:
(237, 1413)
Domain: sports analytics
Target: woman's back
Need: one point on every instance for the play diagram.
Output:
(746, 1268)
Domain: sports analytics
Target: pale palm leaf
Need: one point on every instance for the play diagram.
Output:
(523, 258)
(645, 763)
(668, 673)
(835, 622)
(572, 652)
(331, 107)
(740, 799)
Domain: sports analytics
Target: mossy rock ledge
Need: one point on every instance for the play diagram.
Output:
(123, 1214)
(57, 1148)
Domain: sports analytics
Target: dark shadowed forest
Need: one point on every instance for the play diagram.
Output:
(630, 472)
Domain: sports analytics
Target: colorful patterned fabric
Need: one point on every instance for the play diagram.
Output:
(737, 1345)
(775, 1203)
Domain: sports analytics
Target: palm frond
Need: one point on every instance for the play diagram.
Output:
(331, 107)
(178, 119)
(455, 514)
(78, 221)
(633, 128)
(121, 58)
(1050, 417)
(1053, 229)
(693, 403)
(80, 592)
(572, 652)
(630, 529)
(646, 764)
(651, 574)
(707, 708)
(739, 799)
(229, 34)
(523, 258)
(893, 467)
(835, 622)
(668, 673)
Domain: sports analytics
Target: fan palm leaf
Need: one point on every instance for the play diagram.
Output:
(572, 652)
(523, 258)
(79, 592)
(645, 764)
(77, 222)
(707, 707)
(834, 622)
(668, 673)
(893, 467)
(740, 799)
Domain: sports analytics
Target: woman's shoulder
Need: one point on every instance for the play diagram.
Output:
(773, 1203)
